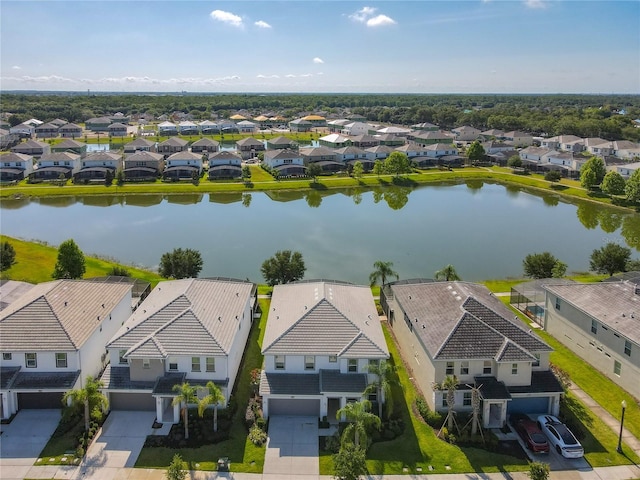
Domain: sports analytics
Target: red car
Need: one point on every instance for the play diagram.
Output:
(530, 433)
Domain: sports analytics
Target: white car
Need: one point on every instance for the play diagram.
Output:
(560, 437)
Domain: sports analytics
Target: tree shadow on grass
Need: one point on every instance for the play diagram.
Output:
(559, 187)
(579, 420)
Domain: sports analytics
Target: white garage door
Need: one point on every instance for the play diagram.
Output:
(288, 406)
(132, 401)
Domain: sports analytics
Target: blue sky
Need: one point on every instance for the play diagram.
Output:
(529, 46)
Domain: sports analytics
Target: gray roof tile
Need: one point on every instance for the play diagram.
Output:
(333, 381)
(289, 384)
(45, 380)
(118, 378)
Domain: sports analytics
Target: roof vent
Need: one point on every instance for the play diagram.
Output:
(219, 319)
(409, 297)
(424, 326)
(98, 317)
(65, 303)
(103, 305)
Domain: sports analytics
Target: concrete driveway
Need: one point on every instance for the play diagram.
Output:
(23, 439)
(292, 447)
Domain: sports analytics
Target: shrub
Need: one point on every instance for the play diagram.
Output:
(257, 436)
(423, 408)
(332, 443)
(249, 416)
(80, 452)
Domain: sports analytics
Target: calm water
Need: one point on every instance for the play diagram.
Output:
(483, 230)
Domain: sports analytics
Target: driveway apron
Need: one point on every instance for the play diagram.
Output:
(292, 446)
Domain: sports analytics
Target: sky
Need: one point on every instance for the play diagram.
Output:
(418, 46)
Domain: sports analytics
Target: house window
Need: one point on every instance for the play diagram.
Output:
(464, 368)
(627, 348)
(537, 362)
(444, 399)
(6, 356)
(195, 364)
(31, 360)
(514, 369)
(173, 364)
(487, 369)
(333, 358)
(450, 368)
(594, 326)
(617, 367)
(146, 363)
(121, 359)
(61, 360)
(279, 361)
(309, 362)
(352, 366)
(466, 399)
(557, 303)
(210, 364)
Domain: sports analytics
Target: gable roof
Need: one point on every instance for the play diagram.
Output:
(205, 142)
(174, 142)
(249, 141)
(68, 143)
(59, 315)
(191, 316)
(324, 318)
(144, 156)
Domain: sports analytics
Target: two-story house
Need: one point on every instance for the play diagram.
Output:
(249, 147)
(225, 164)
(32, 147)
(15, 166)
(70, 130)
(205, 146)
(173, 145)
(96, 165)
(191, 330)
(465, 133)
(139, 145)
(319, 341)
(183, 165)
(285, 162)
(47, 130)
(70, 145)
(459, 328)
(51, 166)
(326, 157)
(143, 166)
(53, 336)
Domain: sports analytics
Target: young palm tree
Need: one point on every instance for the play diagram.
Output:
(382, 271)
(447, 273)
(214, 397)
(90, 396)
(384, 371)
(186, 394)
(361, 419)
(450, 384)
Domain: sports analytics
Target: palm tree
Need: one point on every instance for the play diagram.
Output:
(186, 394)
(214, 397)
(361, 419)
(382, 271)
(447, 273)
(384, 371)
(90, 396)
(450, 384)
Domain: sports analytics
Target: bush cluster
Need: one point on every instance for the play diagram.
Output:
(433, 419)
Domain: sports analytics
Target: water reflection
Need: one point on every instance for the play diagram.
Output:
(474, 186)
(102, 200)
(225, 198)
(588, 215)
(184, 198)
(246, 200)
(144, 200)
(56, 201)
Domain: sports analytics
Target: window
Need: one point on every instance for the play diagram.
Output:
(450, 368)
(6, 356)
(309, 362)
(352, 366)
(146, 363)
(466, 399)
(557, 303)
(31, 360)
(121, 359)
(195, 364)
(487, 369)
(333, 358)
(279, 360)
(617, 367)
(464, 368)
(61, 360)
(594, 326)
(444, 399)
(627, 348)
(173, 364)
(210, 364)
(514, 369)
(537, 362)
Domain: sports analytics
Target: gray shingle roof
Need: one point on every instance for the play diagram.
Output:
(166, 383)
(492, 389)
(59, 315)
(7, 376)
(118, 378)
(289, 384)
(205, 142)
(322, 318)
(174, 142)
(542, 381)
(333, 381)
(45, 380)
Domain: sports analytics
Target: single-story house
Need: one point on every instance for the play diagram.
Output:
(280, 143)
(139, 145)
(70, 145)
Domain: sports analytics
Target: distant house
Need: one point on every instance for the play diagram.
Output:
(98, 124)
(70, 145)
(205, 146)
(280, 143)
(334, 140)
(563, 142)
(438, 150)
(143, 166)
(465, 134)
(207, 127)
(396, 131)
(173, 145)
(285, 162)
(425, 127)
(47, 130)
(381, 152)
(167, 129)
(8, 139)
(51, 166)
(249, 147)
(316, 120)
(494, 146)
(225, 164)
(355, 128)
(336, 126)
(429, 138)
(32, 147)
(245, 126)
(518, 139)
(96, 165)
(188, 128)
(412, 150)
(300, 125)
(191, 330)
(70, 130)
(346, 154)
(139, 145)
(117, 130)
(390, 140)
(24, 130)
(460, 329)
(625, 149)
(183, 166)
(533, 156)
(323, 156)
(365, 141)
(119, 117)
(53, 336)
(320, 340)
(15, 166)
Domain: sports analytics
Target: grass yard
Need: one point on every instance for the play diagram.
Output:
(259, 174)
(244, 455)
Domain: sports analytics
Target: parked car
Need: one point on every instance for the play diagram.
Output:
(530, 433)
(560, 437)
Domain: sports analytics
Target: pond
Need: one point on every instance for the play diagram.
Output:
(484, 230)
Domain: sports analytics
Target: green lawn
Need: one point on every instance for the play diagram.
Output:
(244, 456)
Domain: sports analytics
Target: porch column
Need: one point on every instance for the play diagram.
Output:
(485, 414)
(324, 407)
(159, 409)
(176, 413)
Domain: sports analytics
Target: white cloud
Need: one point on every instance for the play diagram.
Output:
(363, 14)
(262, 24)
(305, 75)
(227, 17)
(290, 75)
(318, 60)
(16, 67)
(126, 80)
(267, 76)
(380, 20)
(537, 4)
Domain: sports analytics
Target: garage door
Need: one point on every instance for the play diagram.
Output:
(132, 401)
(286, 406)
(40, 400)
(528, 405)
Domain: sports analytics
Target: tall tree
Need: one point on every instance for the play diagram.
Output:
(313, 170)
(447, 273)
(632, 188)
(385, 379)
(185, 394)
(610, 259)
(361, 420)
(70, 263)
(378, 167)
(475, 152)
(7, 255)
(383, 270)
(284, 267)
(213, 397)
(613, 183)
(397, 163)
(541, 265)
(449, 385)
(592, 172)
(89, 396)
(358, 170)
(180, 263)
